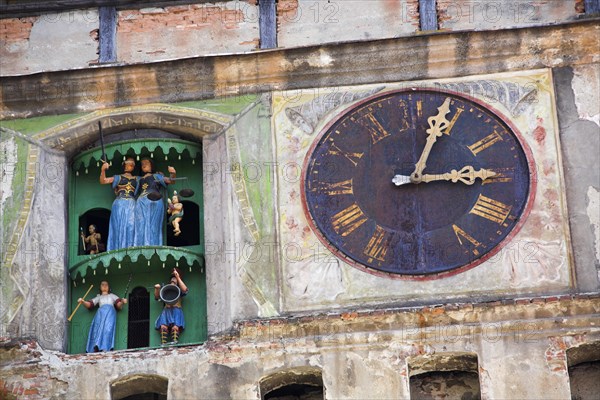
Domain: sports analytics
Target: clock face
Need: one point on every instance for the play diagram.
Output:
(471, 195)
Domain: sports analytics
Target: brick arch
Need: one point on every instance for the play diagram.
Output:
(138, 384)
(188, 123)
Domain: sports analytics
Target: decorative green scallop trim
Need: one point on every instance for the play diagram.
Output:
(169, 148)
(136, 259)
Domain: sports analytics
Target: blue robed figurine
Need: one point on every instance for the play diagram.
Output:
(171, 318)
(122, 222)
(149, 212)
(102, 330)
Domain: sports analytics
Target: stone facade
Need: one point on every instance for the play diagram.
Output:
(195, 70)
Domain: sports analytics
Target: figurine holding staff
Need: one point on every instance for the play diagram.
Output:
(102, 331)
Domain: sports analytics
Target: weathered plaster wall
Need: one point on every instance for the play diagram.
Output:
(437, 56)
(478, 15)
(310, 22)
(520, 347)
(69, 40)
(150, 34)
(578, 108)
(49, 42)
(33, 265)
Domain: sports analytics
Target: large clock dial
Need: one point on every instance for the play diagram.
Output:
(417, 183)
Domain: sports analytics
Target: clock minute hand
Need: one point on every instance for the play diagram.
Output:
(436, 126)
(466, 175)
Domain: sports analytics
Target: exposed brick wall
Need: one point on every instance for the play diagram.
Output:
(188, 17)
(15, 29)
(23, 374)
(556, 354)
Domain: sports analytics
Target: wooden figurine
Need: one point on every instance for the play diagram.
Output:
(171, 318)
(93, 242)
(175, 209)
(102, 330)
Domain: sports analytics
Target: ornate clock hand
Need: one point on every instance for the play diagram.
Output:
(436, 125)
(466, 175)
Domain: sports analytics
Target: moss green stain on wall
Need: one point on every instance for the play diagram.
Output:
(225, 105)
(33, 126)
(258, 169)
(13, 182)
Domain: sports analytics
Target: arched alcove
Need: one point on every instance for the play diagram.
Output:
(450, 375)
(168, 135)
(188, 225)
(139, 387)
(584, 370)
(302, 383)
(98, 217)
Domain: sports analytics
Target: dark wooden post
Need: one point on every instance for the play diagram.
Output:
(428, 15)
(107, 34)
(267, 22)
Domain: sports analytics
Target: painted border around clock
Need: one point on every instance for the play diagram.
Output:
(433, 276)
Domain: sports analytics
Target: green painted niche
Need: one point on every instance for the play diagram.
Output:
(136, 268)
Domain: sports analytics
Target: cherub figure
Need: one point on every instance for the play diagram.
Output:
(175, 209)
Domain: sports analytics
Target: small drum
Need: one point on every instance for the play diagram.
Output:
(169, 294)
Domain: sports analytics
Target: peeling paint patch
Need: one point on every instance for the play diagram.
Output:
(8, 158)
(322, 59)
(586, 86)
(593, 212)
(539, 133)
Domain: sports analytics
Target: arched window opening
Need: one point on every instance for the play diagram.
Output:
(296, 391)
(304, 383)
(99, 218)
(190, 236)
(146, 396)
(462, 385)
(139, 319)
(444, 376)
(584, 371)
(139, 387)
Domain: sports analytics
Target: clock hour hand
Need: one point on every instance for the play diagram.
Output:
(466, 175)
(436, 126)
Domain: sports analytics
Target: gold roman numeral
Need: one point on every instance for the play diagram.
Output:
(347, 220)
(491, 209)
(497, 179)
(354, 158)
(376, 130)
(419, 108)
(462, 235)
(378, 244)
(336, 188)
(484, 143)
(453, 121)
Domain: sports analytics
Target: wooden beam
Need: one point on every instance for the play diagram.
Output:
(108, 34)
(592, 6)
(267, 23)
(430, 56)
(428, 15)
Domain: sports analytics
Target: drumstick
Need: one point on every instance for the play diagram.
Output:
(75, 310)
